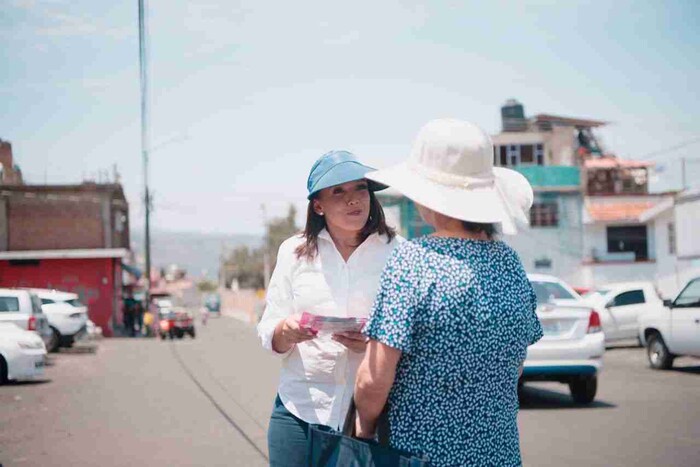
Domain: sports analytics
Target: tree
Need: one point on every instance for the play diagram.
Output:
(247, 265)
(206, 285)
(278, 230)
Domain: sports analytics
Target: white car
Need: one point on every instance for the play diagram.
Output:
(674, 329)
(66, 314)
(573, 345)
(620, 306)
(23, 308)
(22, 353)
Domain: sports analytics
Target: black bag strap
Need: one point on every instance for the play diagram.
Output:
(349, 425)
(382, 423)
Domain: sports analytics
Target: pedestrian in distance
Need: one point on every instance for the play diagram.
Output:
(130, 311)
(331, 269)
(455, 312)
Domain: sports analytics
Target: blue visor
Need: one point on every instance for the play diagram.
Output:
(336, 168)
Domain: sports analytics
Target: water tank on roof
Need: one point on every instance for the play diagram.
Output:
(513, 116)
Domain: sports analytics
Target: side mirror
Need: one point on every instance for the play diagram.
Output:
(668, 303)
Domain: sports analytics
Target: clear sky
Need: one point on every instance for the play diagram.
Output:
(250, 93)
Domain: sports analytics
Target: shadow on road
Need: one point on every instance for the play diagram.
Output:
(539, 398)
(691, 370)
(35, 382)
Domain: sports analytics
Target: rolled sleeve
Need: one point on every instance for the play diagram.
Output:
(391, 319)
(279, 302)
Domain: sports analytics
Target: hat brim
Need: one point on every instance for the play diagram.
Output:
(343, 173)
(506, 202)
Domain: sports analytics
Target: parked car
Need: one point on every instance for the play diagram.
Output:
(673, 330)
(22, 353)
(620, 305)
(23, 308)
(573, 345)
(66, 314)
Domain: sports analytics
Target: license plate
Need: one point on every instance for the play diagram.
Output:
(550, 329)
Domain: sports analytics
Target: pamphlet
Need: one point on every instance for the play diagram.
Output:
(331, 324)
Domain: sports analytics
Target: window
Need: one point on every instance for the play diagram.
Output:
(539, 154)
(690, 297)
(513, 155)
(75, 302)
(632, 297)
(547, 291)
(527, 155)
(544, 215)
(630, 238)
(46, 301)
(9, 304)
(36, 305)
(502, 150)
(671, 238)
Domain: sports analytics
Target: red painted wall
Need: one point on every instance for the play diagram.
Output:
(93, 279)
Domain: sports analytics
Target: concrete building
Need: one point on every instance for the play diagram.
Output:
(67, 237)
(676, 223)
(589, 222)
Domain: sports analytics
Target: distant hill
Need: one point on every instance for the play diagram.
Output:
(198, 253)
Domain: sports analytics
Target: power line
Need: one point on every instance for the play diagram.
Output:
(664, 151)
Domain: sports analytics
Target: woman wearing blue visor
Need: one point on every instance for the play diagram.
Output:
(331, 270)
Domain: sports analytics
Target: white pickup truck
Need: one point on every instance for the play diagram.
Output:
(674, 329)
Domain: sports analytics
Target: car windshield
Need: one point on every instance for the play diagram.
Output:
(75, 302)
(548, 291)
(9, 304)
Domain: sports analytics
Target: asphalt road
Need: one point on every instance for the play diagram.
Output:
(207, 401)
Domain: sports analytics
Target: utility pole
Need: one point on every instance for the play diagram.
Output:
(143, 67)
(683, 171)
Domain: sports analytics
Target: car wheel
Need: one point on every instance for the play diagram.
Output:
(660, 358)
(583, 389)
(191, 333)
(163, 336)
(3, 370)
(55, 341)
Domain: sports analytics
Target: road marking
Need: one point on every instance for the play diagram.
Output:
(216, 404)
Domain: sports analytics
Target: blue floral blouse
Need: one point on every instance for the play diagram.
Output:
(462, 312)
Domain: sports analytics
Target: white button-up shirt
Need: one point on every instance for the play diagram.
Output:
(318, 376)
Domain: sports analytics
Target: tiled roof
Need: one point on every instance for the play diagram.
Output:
(605, 211)
(613, 163)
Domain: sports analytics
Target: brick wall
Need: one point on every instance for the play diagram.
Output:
(9, 175)
(45, 224)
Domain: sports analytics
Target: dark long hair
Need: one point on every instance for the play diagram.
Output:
(376, 223)
(475, 227)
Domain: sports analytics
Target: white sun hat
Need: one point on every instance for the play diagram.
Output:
(450, 170)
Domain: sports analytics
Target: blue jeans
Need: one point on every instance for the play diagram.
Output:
(287, 438)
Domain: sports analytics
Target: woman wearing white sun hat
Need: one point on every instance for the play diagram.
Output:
(455, 312)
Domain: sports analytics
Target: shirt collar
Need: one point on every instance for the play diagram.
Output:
(326, 236)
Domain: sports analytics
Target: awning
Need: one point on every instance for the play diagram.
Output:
(133, 270)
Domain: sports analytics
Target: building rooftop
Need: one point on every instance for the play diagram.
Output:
(569, 121)
(606, 211)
